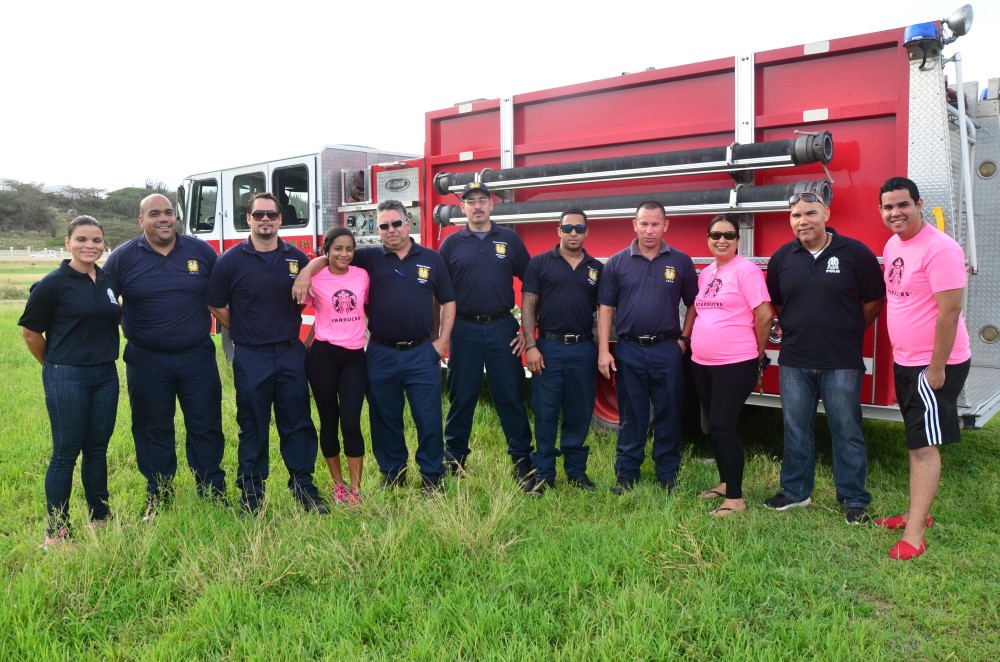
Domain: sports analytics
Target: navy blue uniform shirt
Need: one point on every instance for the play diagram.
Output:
(567, 297)
(163, 296)
(78, 316)
(483, 270)
(402, 292)
(822, 323)
(646, 294)
(259, 295)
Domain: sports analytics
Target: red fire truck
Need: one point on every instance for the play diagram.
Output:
(736, 135)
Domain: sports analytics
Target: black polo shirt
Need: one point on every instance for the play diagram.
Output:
(163, 296)
(567, 297)
(78, 316)
(483, 270)
(259, 294)
(646, 294)
(402, 292)
(822, 323)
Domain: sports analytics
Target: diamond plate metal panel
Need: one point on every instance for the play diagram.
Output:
(333, 160)
(983, 306)
(929, 150)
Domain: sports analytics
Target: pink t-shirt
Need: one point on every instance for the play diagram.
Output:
(724, 329)
(339, 301)
(914, 270)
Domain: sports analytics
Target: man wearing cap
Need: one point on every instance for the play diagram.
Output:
(170, 357)
(826, 290)
(925, 277)
(644, 284)
(405, 348)
(254, 279)
(558, 299)
(483, 259)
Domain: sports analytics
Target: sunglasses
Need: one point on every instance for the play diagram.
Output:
(807, 196)
(580, 229)
(271, 214)
(729, 235)
(398, 223)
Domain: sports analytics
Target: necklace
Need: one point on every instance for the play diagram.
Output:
(822, 248)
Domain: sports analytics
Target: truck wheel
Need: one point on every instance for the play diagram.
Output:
(605, 418)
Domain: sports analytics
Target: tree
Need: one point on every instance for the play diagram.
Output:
(25, 206)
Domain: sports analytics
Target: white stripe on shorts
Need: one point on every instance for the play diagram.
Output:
(932, 421)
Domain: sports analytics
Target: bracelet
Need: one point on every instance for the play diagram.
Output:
(527, 347)
(686, 340)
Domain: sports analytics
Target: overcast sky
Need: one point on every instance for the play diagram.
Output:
(109, 94)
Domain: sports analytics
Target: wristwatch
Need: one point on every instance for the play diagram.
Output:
(686, 339)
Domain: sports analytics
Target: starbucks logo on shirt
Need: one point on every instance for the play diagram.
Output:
(713, 287)
(344, 301)
(895, 273)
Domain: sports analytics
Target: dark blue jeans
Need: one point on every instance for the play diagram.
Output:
(801, 390)
(82, 403)
(473, 346)
(156, 382)
(568, 386)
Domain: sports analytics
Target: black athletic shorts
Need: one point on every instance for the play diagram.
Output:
(930, 416)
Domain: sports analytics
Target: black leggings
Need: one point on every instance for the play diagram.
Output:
(723, 389)
(337, 377)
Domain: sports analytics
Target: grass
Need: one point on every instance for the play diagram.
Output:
(481, 572)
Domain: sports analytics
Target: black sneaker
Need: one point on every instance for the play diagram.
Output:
(152, 509)
(455, 465)
(858, 517)
(432, 488)
(392, 482)
(780, 502)
(622, 486)
(524, 474)
(538, 489)
(317, 506)
(582, 482)
(669, 484)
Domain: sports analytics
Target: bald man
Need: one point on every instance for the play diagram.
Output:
(163, 276)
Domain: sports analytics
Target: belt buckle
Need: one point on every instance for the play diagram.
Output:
(572, 339)
(482, 319)
(646, 340)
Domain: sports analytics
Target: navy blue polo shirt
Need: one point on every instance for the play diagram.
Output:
(163, 296)
(483, 270)
(78, 316)
(402, 292)
(646, 294)
(822, 323)
(258, 293)
(567, 297)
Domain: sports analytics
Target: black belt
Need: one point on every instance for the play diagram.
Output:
(567, 338)
(401, 345)
(650, 340)
(482, 319)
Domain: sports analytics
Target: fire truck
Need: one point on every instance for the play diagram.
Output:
(736, 135)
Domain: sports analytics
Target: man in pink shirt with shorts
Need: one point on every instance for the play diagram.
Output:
(925, 277)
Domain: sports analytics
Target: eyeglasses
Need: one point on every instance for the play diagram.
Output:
(806, 196)
(729, 235)
(580, 229)
(475, 202)
(271, 214)
(398, 223)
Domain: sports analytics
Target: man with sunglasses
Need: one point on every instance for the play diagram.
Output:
(483, 259)
(643, 286)
(558, 299)
(249, 292)
(827, 290)
(170, 357)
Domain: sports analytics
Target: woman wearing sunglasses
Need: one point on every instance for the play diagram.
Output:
(732, 323)
(70, 325)
(335, 364)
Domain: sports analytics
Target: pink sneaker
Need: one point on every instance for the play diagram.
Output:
(57, 539)
(354, 497)
(341, 496)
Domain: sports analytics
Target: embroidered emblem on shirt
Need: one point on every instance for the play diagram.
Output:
(192, 266)
(501, 248)
(111, 295)
(592, 275)
(833, 265)
(344, 301)
(670, 274)
(423, 273)
(895, 274)
(293, 267)
(712, 290)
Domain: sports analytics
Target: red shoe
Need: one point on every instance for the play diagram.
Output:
(904, 551)
(897, 522)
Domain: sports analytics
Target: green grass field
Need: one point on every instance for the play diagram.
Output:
(482, 572)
